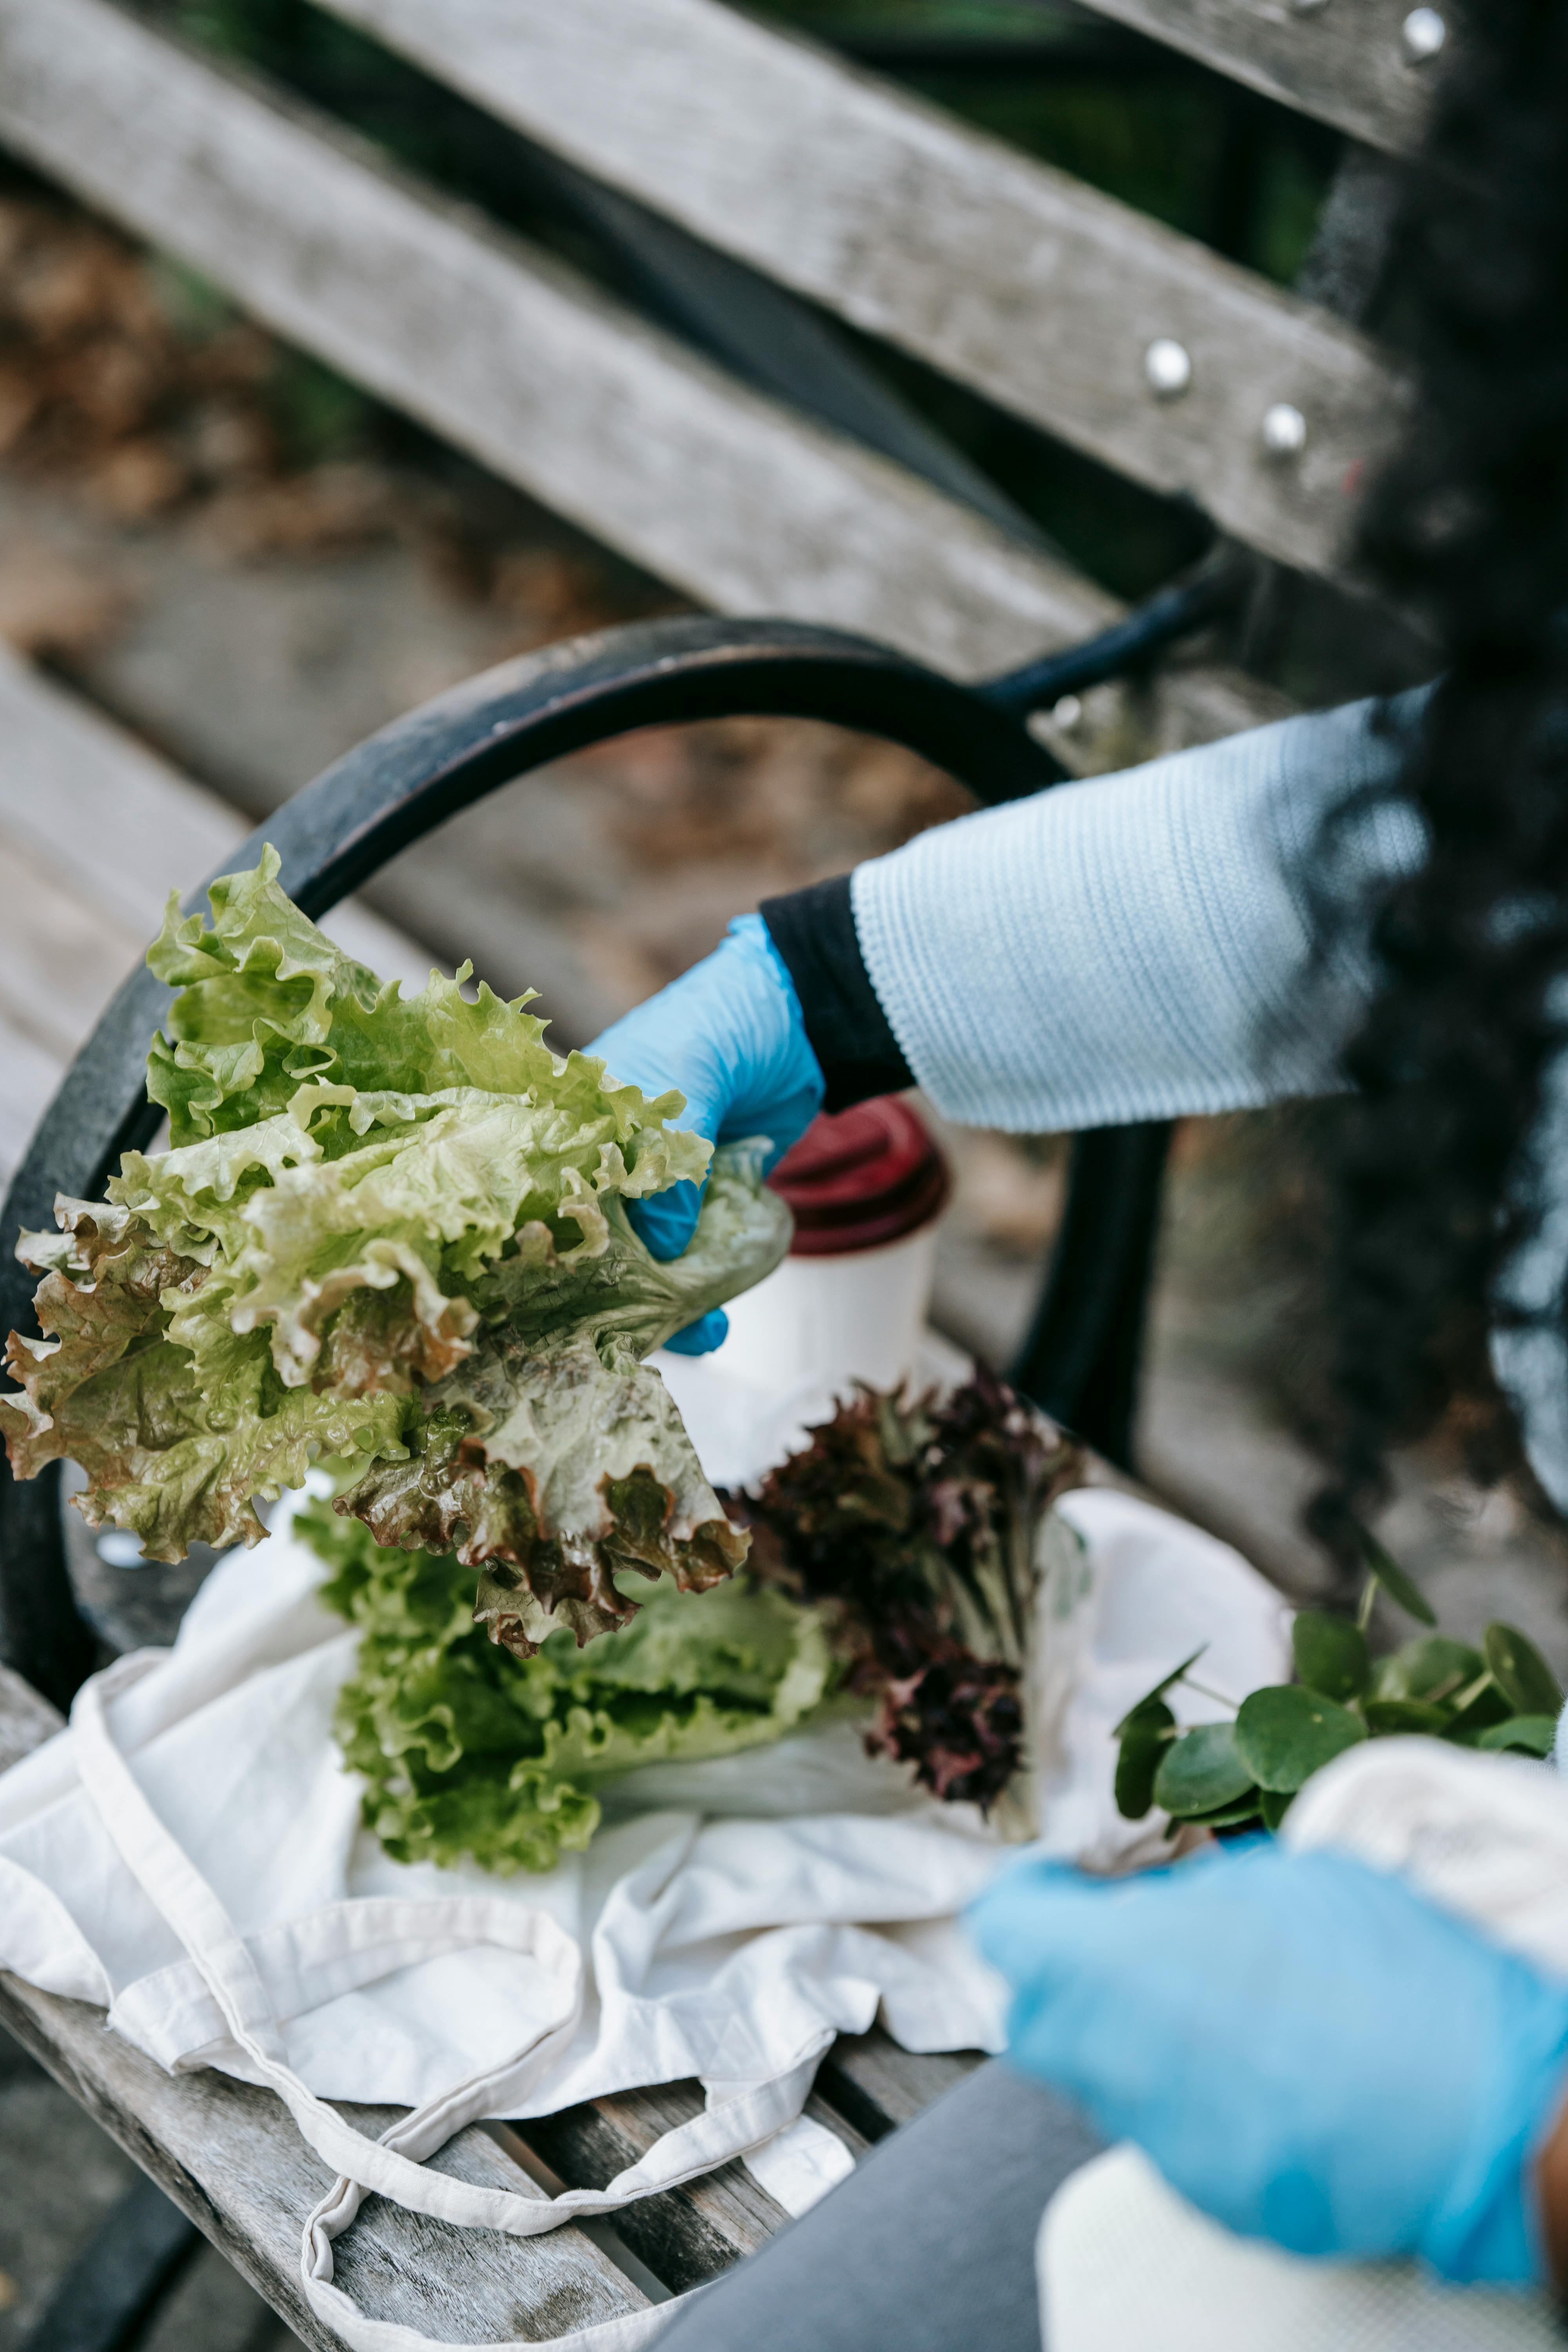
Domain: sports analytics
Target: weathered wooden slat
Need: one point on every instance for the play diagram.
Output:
(29, 1073)
(685, 2235)
(61, 956)
(512, 356)
(103, 829)
(1014, 278)
(230, 2157)
(1345, 62)
(875, 2086)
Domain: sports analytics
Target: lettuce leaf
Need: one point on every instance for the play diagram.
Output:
(395, 1231)
(464, 1752)
(917, 1523)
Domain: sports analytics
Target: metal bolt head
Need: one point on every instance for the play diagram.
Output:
(1422, 35)
(1167, 368)
(1067, 712)
(1284, 430)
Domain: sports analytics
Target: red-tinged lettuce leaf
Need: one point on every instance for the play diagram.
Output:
(920, 1521)
(173, 1452)
(552, 1457)
(958, 1719)
(364, 1192)
(552, 1468)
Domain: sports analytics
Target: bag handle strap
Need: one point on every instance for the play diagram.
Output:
(393, 2165)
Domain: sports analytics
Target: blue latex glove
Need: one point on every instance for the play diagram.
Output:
(1307, 2049)
(729, 1033)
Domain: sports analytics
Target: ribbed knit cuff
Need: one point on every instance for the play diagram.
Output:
(814, 931)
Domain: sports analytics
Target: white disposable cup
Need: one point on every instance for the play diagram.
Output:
(856, 1315)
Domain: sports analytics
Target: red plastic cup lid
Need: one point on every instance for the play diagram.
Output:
(861, 1178)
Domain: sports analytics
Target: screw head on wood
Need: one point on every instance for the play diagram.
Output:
(1284, 430)
(1167, 368)
(1422, 35)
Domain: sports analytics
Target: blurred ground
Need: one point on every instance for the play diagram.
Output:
(215, 542)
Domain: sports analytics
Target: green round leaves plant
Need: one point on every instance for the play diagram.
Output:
(1146, 1736)
(1525, 1735)
(1330, 1654)
(1432, 1667)
(1502, 1697)
(1385, 1718)
(1285, 1735)
(1519, 1671)
(1394, 1582)
(1202, 1772)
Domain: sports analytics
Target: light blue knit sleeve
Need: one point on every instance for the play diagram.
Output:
(1141, 946)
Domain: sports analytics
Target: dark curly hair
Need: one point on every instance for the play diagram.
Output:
(1431, 1182)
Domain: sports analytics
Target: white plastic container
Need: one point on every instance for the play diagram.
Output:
(834, 1321)
(849, 1303)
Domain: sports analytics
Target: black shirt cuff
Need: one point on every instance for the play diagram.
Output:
(814, 931)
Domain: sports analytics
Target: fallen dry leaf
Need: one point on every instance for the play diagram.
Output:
(51, 605)
(138, 479)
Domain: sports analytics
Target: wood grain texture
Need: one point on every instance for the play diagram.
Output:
(29, 1073)
(1342, 61)
(1012, 276)
(97, 823)
(876, 2085)
(230, 2157)
(685, 2235)
(511, 356)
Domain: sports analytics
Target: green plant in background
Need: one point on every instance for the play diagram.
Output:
(318, 413)
(1245, 1773)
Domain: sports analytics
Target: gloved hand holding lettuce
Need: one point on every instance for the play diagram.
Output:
(397, 1232)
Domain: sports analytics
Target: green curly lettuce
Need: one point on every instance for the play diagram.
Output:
(393, 1231)
(464, 1752)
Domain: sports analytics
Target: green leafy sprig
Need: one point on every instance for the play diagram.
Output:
(1245, 1772)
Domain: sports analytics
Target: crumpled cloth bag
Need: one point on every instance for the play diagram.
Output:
(188, 1855)
(1124, 2262)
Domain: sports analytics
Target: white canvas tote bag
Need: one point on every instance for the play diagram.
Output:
(189, 1855)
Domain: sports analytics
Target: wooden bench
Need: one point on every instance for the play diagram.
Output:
(749, 174)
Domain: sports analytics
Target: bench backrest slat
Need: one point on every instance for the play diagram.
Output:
(518, 360)
(1343, 61)
(1007, 275)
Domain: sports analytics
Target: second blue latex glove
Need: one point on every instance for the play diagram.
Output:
(730, 1034)
(1308, 2050)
